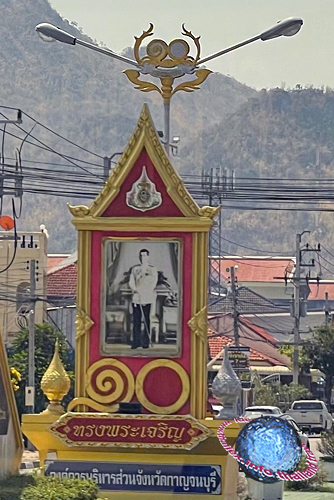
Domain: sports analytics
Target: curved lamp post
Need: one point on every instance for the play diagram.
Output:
(168, 62)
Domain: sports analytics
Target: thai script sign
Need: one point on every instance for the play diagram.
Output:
(239, 358)
(166, 478)
(136, 431)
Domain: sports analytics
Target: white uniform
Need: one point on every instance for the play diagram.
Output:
(143, 280)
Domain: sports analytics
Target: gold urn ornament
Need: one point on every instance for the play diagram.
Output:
(55, 383)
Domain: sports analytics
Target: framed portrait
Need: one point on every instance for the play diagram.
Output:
(141, 309)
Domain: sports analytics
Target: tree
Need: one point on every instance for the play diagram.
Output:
(320, 351)
(45, 339)
(303, 359)
(279, 395)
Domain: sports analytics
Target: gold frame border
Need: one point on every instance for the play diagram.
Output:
(140, 380)
(198, 325)
(144, 224)
(83, 306)
(14, 416)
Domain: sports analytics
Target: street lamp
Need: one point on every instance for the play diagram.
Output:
(168, 62)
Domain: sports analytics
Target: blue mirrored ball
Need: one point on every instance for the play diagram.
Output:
(270, 442)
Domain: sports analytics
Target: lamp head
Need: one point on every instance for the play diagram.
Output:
(288, 27)
(50, 33)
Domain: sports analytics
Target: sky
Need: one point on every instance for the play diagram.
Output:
(306, 58)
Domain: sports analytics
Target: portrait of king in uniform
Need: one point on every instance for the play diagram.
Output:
(143, 280)
(141, 298)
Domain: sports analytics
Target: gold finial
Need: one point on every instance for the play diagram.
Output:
(55, 384)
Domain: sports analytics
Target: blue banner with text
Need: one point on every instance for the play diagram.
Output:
(175, 478)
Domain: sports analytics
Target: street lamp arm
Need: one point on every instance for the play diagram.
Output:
(229, 49)
(288, 27)
(49, 32)
(107, 52)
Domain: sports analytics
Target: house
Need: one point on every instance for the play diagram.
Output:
(61, 294)
(265, 295)
(263, 275)
(15, 264)
(264, 355)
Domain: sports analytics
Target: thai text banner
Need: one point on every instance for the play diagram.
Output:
(195, 479)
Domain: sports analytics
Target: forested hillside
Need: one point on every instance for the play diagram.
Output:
(277, 134)
(85, 97)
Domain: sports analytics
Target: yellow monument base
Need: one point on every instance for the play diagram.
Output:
(208, 452)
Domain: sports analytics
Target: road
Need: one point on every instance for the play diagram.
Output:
(314, 440)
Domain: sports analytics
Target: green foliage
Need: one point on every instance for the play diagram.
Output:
(50, 488)
(45, 339)
(320, 352)
(315, 483)
(65, 489)
(11, 487)
(326, 445)
(304, 360)
(279, 395)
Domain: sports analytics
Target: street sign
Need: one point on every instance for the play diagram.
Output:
(239, 358)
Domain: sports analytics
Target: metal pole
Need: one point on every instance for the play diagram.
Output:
(106, 167)
(167, 125)
(235, 309)
(31, 351)
(297, 312)
(326, 310)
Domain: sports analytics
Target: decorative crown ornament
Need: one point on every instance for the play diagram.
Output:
(55, 384)
(167, 62)
(143, 195)
(226, 388)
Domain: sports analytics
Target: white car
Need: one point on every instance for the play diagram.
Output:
(311, 415)
(261, 411)
(303, 437)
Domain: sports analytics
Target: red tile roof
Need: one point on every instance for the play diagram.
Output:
(217, 344)
(63, 282)
(318, 292)
(258, 330)
(54, 260)
(257, 269)
(249, 335)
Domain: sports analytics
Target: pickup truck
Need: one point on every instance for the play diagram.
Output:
(311, 415)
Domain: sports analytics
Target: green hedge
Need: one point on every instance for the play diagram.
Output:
(46, 488)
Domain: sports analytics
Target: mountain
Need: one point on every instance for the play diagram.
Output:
(85, 97)
(275, 134)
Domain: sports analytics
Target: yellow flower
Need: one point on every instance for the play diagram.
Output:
(15, 379)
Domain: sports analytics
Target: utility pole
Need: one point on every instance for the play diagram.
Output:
(107, 165)
(327, 310)
(296, 310)
(235, 307)
(30, 391)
